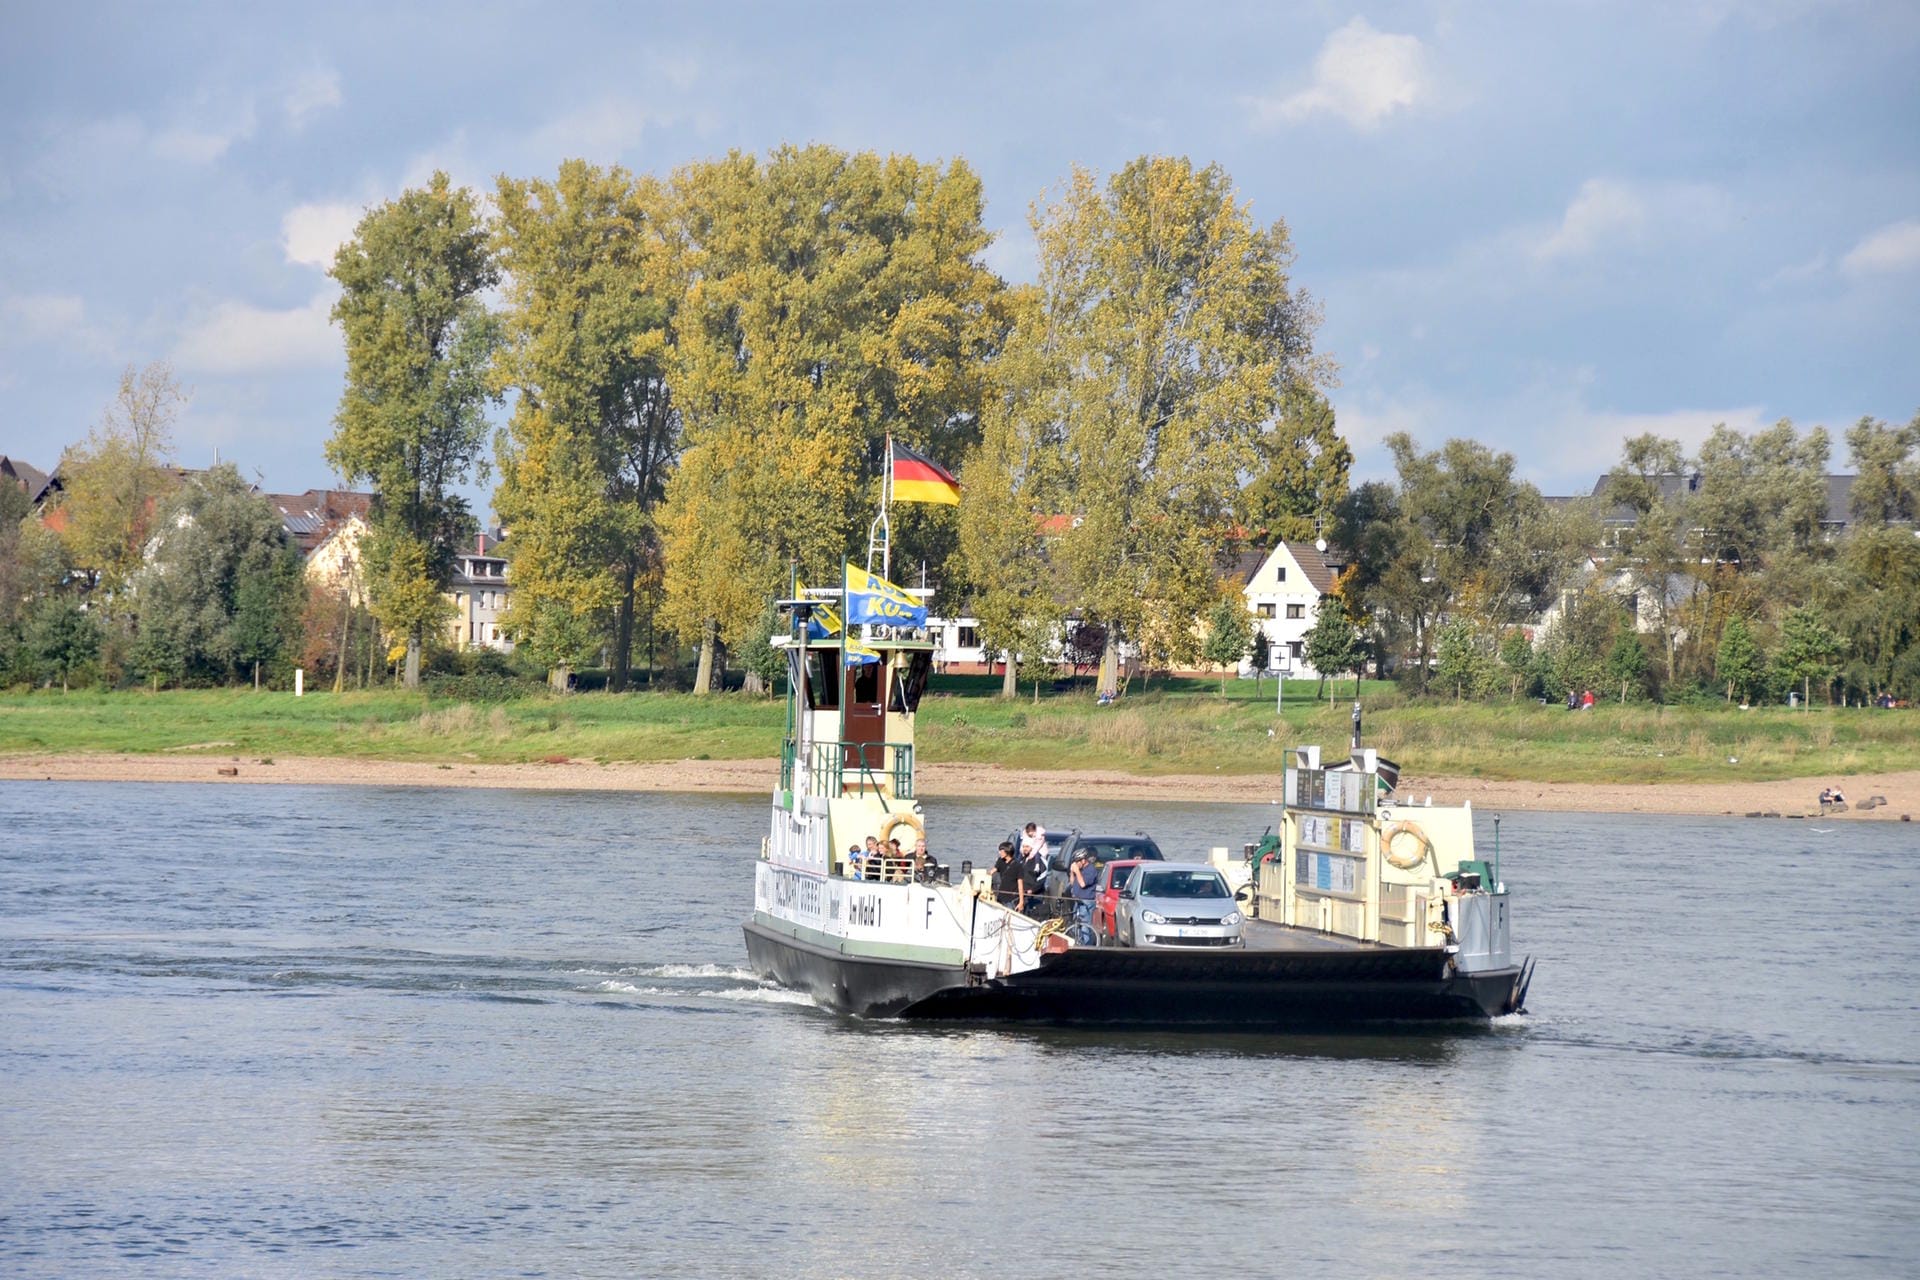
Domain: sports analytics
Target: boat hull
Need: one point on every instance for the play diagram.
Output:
(1249, 990)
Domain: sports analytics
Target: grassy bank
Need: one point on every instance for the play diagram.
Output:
(1185, 727)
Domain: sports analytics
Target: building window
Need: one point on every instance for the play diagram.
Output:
(1280, 572)
(1296, 611)
(1263, 610)
(1294, 649)
(969, 638)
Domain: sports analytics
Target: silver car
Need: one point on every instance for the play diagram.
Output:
(1178, 904)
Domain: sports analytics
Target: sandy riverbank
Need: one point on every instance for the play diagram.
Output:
(1788, 797)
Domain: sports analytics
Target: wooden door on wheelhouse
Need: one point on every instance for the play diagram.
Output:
(863, 717)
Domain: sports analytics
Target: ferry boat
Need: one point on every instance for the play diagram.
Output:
(1360, 907)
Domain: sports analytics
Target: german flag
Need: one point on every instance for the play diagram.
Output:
(917, 478)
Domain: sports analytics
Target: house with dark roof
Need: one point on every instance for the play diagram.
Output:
(36, 482)
(1284, 590)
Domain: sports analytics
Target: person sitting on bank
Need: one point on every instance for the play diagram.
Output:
(1083, 884)
(1009, 879)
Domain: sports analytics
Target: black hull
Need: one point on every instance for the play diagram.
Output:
(1249, 990)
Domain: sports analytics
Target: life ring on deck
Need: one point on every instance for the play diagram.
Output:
(1406, 862)
(898, 820)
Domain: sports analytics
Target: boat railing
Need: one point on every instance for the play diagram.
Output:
(838, 768)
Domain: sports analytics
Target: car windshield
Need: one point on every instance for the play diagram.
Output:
(1183, 884)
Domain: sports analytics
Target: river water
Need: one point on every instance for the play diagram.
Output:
(289, 1031)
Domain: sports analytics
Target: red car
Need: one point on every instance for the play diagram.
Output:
(1107, 902)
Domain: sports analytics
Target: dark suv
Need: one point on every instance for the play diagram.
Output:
(1104, 849)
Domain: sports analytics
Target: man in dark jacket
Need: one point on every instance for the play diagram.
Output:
(1009, 879)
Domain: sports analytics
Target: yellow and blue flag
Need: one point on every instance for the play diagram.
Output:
(823, 622)
(858, 655)
(871, 598)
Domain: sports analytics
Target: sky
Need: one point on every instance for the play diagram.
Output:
(1546, 226)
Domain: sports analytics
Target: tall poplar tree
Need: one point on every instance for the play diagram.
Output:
(825, 299)
(1300, 476)
(1007, 487)
(1172, 314)
(583, 460)
(410, 421)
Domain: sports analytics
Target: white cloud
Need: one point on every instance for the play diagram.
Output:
(605, 130)
(1360, 75)
(53, 318)
(310, 233)
(1895, 247)
(237, 337)
(311, 92)
(1612, 211)
(210, 132)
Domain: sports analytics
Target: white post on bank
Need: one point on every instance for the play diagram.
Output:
(299, 682)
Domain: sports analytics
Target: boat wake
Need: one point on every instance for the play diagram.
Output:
(680, 982)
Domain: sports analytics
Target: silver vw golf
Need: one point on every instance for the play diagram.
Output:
(1178, 904)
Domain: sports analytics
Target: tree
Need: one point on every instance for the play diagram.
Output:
(1300, 472)
(1460, 663)
(112, 485)
(1760, 495)
(825, 300)
(1873, 600)
(410, 420)
(1808, 650)
(1459, 535)
(1886, 462)
(1333, 645)
(222, 589)
(763, 663)
(1659, 563)
(1516, 656)
(1171, 331)
(1260, 653)
(583, 460)
(1229, 633)
(1738, 663)
(60, 639)
(1002, 560)
(1627, 664)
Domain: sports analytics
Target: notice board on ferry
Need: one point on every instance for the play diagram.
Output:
(1334, 790)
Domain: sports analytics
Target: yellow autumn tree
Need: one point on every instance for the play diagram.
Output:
(824, 300)
(583, 459)
(1175, 330)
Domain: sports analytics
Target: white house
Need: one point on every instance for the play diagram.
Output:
(480, 590)
(1284, 595)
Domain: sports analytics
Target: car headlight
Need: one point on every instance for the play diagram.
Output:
(1153, 917)
(1230, 919)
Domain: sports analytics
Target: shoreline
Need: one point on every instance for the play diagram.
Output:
(1783, 798)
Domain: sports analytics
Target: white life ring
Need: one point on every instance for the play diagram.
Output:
(898, 820)
(1406, 862)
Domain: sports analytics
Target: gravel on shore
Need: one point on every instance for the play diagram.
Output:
(1784, 798)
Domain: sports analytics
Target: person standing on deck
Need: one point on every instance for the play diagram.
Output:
(1009, 879)
(1083, 884)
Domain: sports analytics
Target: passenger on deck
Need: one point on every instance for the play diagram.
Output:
(854, 858)
(1083, 884)
(1009, 879)
(896, 861)
(925, 869)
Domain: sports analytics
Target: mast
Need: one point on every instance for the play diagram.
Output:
(880, 533)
